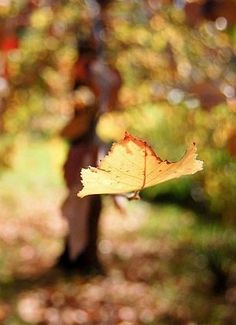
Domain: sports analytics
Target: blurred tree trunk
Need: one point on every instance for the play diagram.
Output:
(95, 92)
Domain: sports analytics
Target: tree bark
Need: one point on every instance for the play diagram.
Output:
(85, 260)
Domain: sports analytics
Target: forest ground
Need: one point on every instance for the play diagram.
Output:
(158, 258)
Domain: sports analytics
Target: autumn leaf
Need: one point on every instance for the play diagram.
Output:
(132, 165)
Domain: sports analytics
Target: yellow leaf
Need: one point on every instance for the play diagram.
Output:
(132, 165)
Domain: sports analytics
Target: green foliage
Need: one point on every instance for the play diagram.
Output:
(169, 71)
(38, 53)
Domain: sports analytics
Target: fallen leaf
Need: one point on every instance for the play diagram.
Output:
(132, 165)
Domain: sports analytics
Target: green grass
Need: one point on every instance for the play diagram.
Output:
(31, 192)
(36, 166)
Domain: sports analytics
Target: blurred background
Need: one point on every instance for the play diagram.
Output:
(74, 76)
